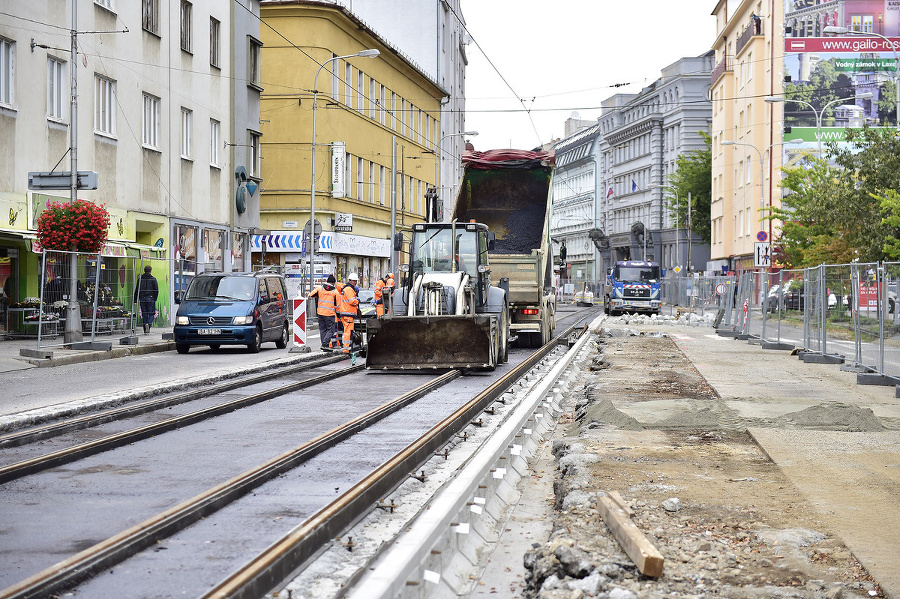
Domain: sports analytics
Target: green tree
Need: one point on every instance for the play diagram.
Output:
(843, 212)
(693, 178)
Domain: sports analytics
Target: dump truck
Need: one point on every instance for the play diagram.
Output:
(509, 192)
(446, 312)
(633, 286)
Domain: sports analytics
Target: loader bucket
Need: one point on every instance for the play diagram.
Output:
(431, 342)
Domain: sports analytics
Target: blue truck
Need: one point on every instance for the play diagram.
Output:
(633, 286)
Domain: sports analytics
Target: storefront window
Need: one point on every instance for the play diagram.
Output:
(214, 243)
(185, 251)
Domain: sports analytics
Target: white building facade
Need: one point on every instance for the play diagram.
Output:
(167, 116)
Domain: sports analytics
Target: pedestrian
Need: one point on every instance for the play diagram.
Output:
(349, 305)
(326, 305)
(384, 285)
(146, 293)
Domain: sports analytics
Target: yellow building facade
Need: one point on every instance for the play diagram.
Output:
(374, 116)
(746, 130)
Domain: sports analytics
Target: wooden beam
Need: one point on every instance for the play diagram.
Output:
(641, 551)
(617, 499)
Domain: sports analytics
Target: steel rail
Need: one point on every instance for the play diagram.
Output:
(46, 431)
(77, 452)
(108, 553)
(280, 560)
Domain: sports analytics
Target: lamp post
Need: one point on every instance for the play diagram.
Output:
(819, 113)
(844, 30)
(312, 204)
(437, 164)
(677, 223)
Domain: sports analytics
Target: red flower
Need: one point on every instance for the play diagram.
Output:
(80, 226)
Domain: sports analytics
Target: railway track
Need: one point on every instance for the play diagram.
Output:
(276, 514)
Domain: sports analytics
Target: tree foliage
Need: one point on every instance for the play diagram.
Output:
(846, 211)
(693, 178)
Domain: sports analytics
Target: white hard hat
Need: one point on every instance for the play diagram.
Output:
(353, 277)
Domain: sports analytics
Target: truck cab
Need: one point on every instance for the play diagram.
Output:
(633, 286)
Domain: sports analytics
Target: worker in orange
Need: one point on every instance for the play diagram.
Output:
(326, 306)
(384, 285)
(348, 305)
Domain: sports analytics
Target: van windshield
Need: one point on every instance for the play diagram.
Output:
(223, 287)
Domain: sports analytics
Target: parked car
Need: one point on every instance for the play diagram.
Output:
(237, 308)
(791, 298)
(367, 303)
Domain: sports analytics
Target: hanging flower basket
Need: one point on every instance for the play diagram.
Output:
(79, 226)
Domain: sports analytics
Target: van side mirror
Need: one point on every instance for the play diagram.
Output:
(179, 295)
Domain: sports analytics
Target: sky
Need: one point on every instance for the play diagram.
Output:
(564, 56)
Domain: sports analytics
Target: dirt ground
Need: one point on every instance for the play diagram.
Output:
(726, 519)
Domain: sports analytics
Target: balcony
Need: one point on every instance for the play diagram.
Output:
(725, 65)
(753, 28)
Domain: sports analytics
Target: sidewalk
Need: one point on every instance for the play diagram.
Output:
(158, 340)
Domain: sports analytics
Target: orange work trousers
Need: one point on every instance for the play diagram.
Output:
(347, 321)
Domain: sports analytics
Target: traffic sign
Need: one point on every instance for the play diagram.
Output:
(762, 236)
(62, 180)
(720, 289)
(761, 255)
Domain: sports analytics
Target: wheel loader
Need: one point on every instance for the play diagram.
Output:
(446, 313)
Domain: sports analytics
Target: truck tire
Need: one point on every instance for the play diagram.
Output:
(503, 356)
(606, 305)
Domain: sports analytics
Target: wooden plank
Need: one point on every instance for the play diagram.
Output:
(641, 551)
(617, 499)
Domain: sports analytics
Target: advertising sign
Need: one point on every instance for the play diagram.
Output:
(338, 160)
(826, 75)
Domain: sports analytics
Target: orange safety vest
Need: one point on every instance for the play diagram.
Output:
(348, 303)
(326, 296)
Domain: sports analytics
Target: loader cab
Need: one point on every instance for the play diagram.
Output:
(452, 248)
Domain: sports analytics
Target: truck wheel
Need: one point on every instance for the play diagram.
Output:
(503, 356)
(606, 305)
(182, 348)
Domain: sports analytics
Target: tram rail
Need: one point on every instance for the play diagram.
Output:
(272, 566)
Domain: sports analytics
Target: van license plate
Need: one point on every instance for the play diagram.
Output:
(209, 331)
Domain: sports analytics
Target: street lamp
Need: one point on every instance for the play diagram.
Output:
(677, 224)
(844, 30)
(312, 205)
(819, 114)
(437, 164)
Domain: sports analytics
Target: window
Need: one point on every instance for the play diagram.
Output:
(254, 154)
(104, 105)
(373, 102)
(348, 84)
(381, 185)
(336, 79)
(360, 91)
(7, 72)
(381, 104)
(214, 42)
(150, 15)
(254, 48)
(187, 11)
(371, 191)
(187, 131)
(214, 128)
(150, 135)
(359, 179)
(107, 4)
(56, 88)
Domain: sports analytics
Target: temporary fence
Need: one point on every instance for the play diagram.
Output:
(843, 314)
(79, 294)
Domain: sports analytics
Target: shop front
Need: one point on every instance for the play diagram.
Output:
(339, 254)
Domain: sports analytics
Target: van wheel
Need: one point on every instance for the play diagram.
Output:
(282, 341)
(256, 344)
(182, 348)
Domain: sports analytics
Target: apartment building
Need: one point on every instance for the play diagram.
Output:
(167, 112)
(747, 131)
(432, 36)
(377, 123)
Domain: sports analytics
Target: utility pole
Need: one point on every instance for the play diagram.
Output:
(73, 311)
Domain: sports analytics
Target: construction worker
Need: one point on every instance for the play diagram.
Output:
(326, 306)
(347, 308)
(383, 285)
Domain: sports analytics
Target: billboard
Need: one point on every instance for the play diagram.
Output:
(837, 81)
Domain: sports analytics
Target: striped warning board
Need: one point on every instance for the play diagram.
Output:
(300, 322)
